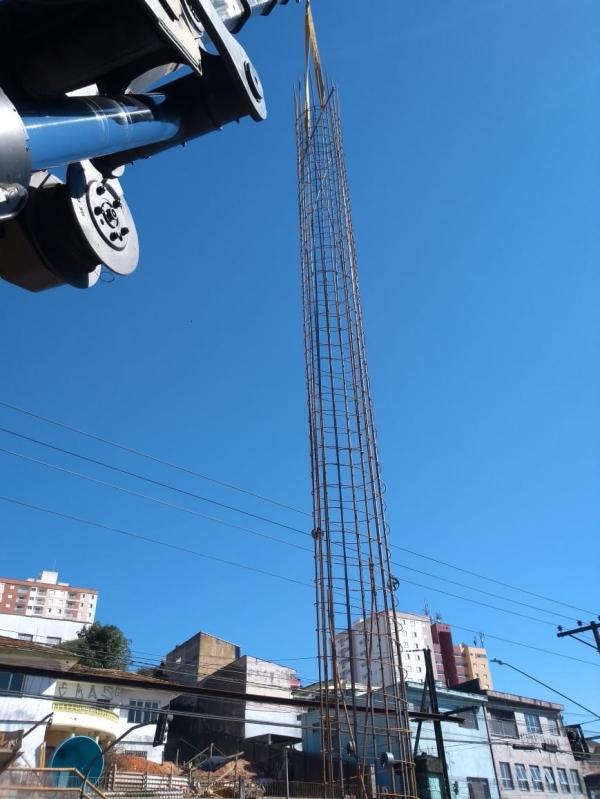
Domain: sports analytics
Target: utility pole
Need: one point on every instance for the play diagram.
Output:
(592, 627)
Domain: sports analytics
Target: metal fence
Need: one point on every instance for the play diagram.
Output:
(302, 790)
(49, 783)
(135, 781)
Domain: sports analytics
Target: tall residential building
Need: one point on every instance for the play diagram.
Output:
(472, 663)
(452, 664)
(459, 663)
(44, 610)
(413, 632)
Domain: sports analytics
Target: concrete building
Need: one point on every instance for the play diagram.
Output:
(231, 724)
(44, 610)
(530, 746)
(77, 700)
(468, 752)
(452, 664)
(460, 663)
(196, 658)
(471, 664)
(412, 631)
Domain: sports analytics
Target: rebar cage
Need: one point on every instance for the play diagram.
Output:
(364, 711)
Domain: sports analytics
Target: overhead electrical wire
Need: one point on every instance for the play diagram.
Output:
(490, 579)
(156, 541)
(554, 690)
(152, 458)
(156, 500)
(187, 550)
(480, 590)
(158, 483)
(477, 602)
(244, 529)
(239, 527)
(239, 510)
(270, 500)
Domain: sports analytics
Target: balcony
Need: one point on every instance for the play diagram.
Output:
(70, 715)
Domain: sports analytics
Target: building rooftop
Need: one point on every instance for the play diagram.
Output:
(56, 655)
(46, 578)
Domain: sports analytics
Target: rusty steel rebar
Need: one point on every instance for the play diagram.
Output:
(353, 578)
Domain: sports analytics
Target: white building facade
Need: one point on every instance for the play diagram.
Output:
(413, 632)
(74, 702)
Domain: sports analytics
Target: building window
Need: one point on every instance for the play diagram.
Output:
(11, 683)
(532, 722)
(414, 635)
(553, 727)
(22, 589)
(564, 780)
(37, 609)
(549, 780)
(53, 640)
(502, 722)
(536, 778)
(522, 780)
(141, 712)
(25, 637)
(469, 718)
(479, 788)
(419, 669)
(576, 780)
(507, 780)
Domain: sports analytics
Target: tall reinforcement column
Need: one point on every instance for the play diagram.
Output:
(364, 713)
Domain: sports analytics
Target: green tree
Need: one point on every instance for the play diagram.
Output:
(102, 646)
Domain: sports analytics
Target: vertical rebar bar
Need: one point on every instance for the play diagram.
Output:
(354, 584)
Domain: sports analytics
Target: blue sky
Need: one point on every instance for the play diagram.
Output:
(472, 134)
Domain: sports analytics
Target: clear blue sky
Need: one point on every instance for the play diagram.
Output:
(472, 133)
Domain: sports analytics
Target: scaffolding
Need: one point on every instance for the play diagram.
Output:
(364, 713)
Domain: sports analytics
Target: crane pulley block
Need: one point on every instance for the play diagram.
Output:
(75, 80)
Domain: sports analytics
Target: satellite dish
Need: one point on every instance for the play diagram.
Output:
(78, 752)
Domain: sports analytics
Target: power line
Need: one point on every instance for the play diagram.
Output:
(156, 541)
(153, 458)
(230, 524)
(564, 696)
(272, 501)
(149, 498)
(175, 547)
(491, 579)
(477, 602)
(158, 483)
(480, 590)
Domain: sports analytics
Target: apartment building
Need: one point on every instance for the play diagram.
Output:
(472, 663)
(44, 610)
(460, 663)
(412, 631)
(453, 664)
(530, 746)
